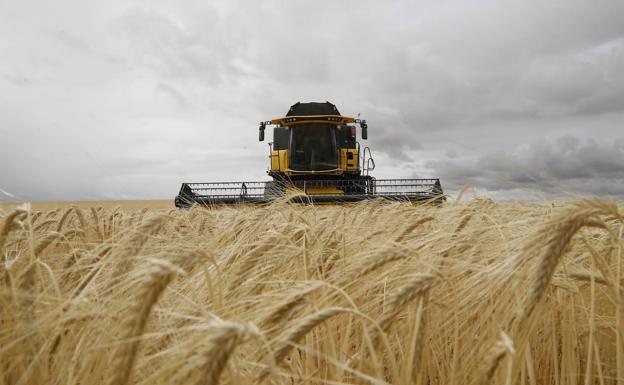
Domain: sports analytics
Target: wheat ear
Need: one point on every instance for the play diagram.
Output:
(418, 285)
(412, 227)
(251, 259)
(96, 222)
(35, 216)
(42, 225)
(298, 331)
(463, 222)
(220, 348)
(7, 224)
(149, 293)
(46, 241)
(81, 217)
(493, 357)
(558, 233)
(133, 243)
(64, 217)
(374, 262)
(291, 302)
(303, 327)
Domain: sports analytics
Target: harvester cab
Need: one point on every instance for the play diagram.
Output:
(316, 155)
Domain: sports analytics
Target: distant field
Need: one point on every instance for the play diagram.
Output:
(137, 292)
(125, 204)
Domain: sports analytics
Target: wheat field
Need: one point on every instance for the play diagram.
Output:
(371, 293)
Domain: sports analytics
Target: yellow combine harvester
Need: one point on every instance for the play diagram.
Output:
(314, 152)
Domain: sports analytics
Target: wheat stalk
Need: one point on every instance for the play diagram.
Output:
(416, 351)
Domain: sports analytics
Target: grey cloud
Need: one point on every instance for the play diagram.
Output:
(73, 42)
(567, 164)
(298, 49)
(174, 49)
(17, 79)
(560, 81)
(173, 93)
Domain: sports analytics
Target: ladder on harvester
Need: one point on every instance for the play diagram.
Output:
(368, 164)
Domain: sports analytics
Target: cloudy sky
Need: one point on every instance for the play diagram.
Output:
(127, 99)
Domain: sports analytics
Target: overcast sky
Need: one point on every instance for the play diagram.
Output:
(127, 99)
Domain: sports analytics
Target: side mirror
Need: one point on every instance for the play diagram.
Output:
(364, 129)
(261, 136)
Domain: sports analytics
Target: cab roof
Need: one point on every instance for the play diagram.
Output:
(312, 108)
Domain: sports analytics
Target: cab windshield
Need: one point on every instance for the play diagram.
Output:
(313, 147)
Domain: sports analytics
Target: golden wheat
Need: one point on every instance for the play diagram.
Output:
(375, 292)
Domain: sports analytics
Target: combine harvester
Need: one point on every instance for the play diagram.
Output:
(316, 156)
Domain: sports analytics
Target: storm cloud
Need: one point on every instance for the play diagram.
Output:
(126, 99)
